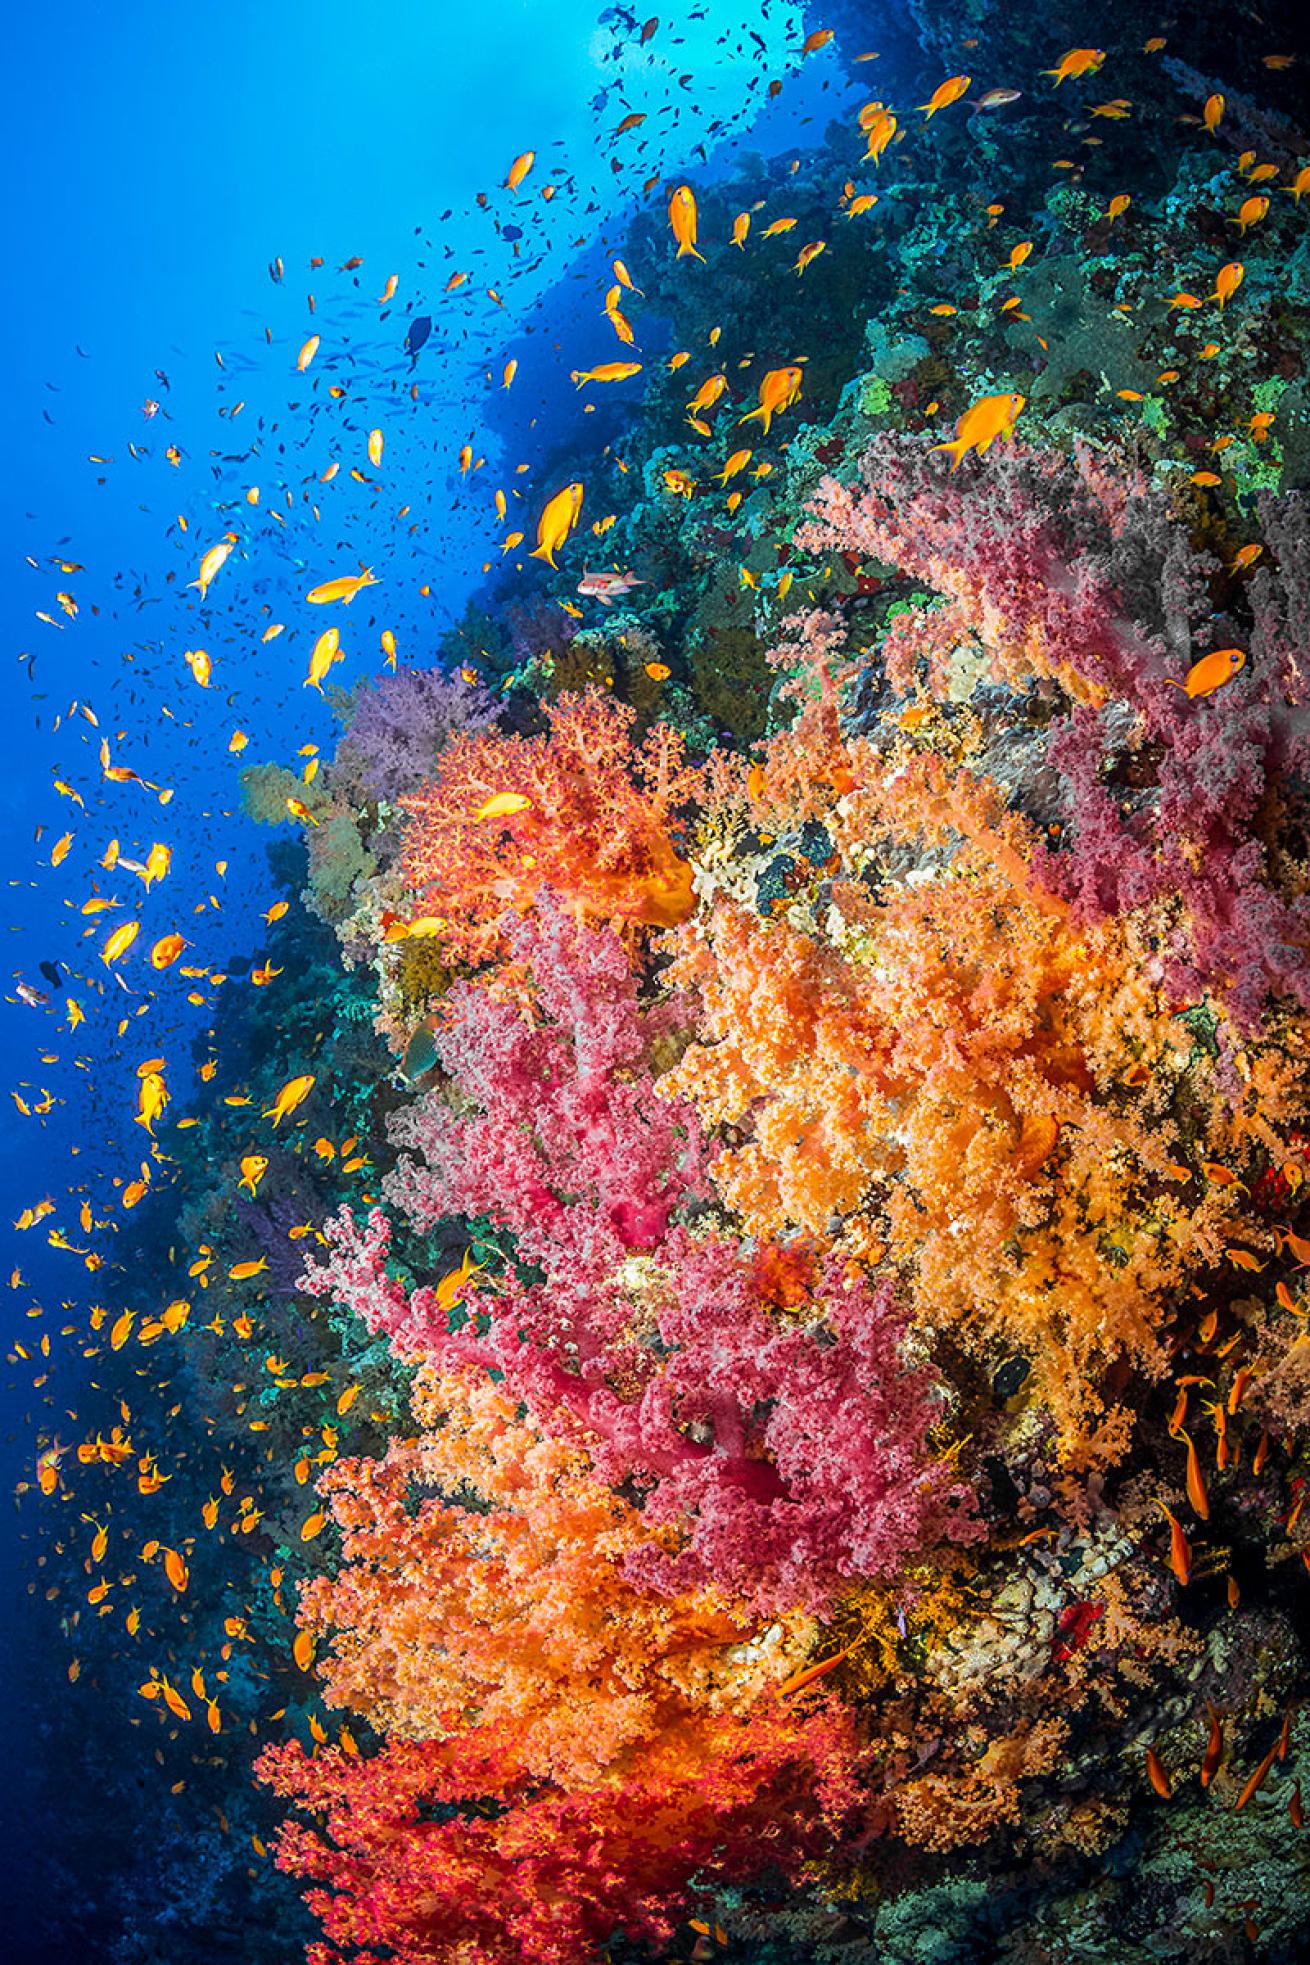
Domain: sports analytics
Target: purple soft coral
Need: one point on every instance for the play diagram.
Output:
(398, 725)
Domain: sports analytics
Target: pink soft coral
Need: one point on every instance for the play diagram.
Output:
(788, 1450)
(570, 1150)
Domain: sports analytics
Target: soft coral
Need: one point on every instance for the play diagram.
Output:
(598, 828)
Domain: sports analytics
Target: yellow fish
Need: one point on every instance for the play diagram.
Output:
(1078, 61)
(981, 424)
(202, 668)
(119, 942)
(683, 219)
(151, 1100)
(780, 388)
(501, 806)
(557, 521)
(945, 94)
(519, 169)
(607, 372)
(326, 651)
(292, 1094)
(253, 1168)
(1228, 279)
(343, 589)
(241, 1272)
(213, 562)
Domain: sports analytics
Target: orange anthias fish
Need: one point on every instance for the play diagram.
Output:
(1257, 1779)
(1214, 1751)
(808, 1674)
(213, 562)
(945, 94)
(292, 1094)
(1180, 1549)
(1211, 672)
(1196, 1488)
(683, 220)
(1078, 61)
(1228, 279)
(606, 372)
(326, 651)
(454, 1283)
(1156, 1775)
(557, 522)
(780, 388)
(708, 394)
(989, 418)
(879, 126)
(343, 588)
(519, 169)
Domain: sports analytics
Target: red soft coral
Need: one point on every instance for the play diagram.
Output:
(447, 1853)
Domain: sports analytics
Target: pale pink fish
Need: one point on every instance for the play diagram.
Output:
(606, 586)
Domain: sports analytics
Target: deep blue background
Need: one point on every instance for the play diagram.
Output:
(159, 156)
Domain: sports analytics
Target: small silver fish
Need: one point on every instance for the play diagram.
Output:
(996, 99)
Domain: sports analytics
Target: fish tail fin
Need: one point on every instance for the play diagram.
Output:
(687, 248)
(543, 552)
(753, 416)
(957, 448)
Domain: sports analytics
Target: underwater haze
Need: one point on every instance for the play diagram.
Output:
(657, 1011)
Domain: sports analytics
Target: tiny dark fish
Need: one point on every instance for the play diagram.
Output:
(50, 970)
(419, 330)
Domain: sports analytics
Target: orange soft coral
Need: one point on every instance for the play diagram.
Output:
(511, 1604)
(958, 1071)
(596, 820)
